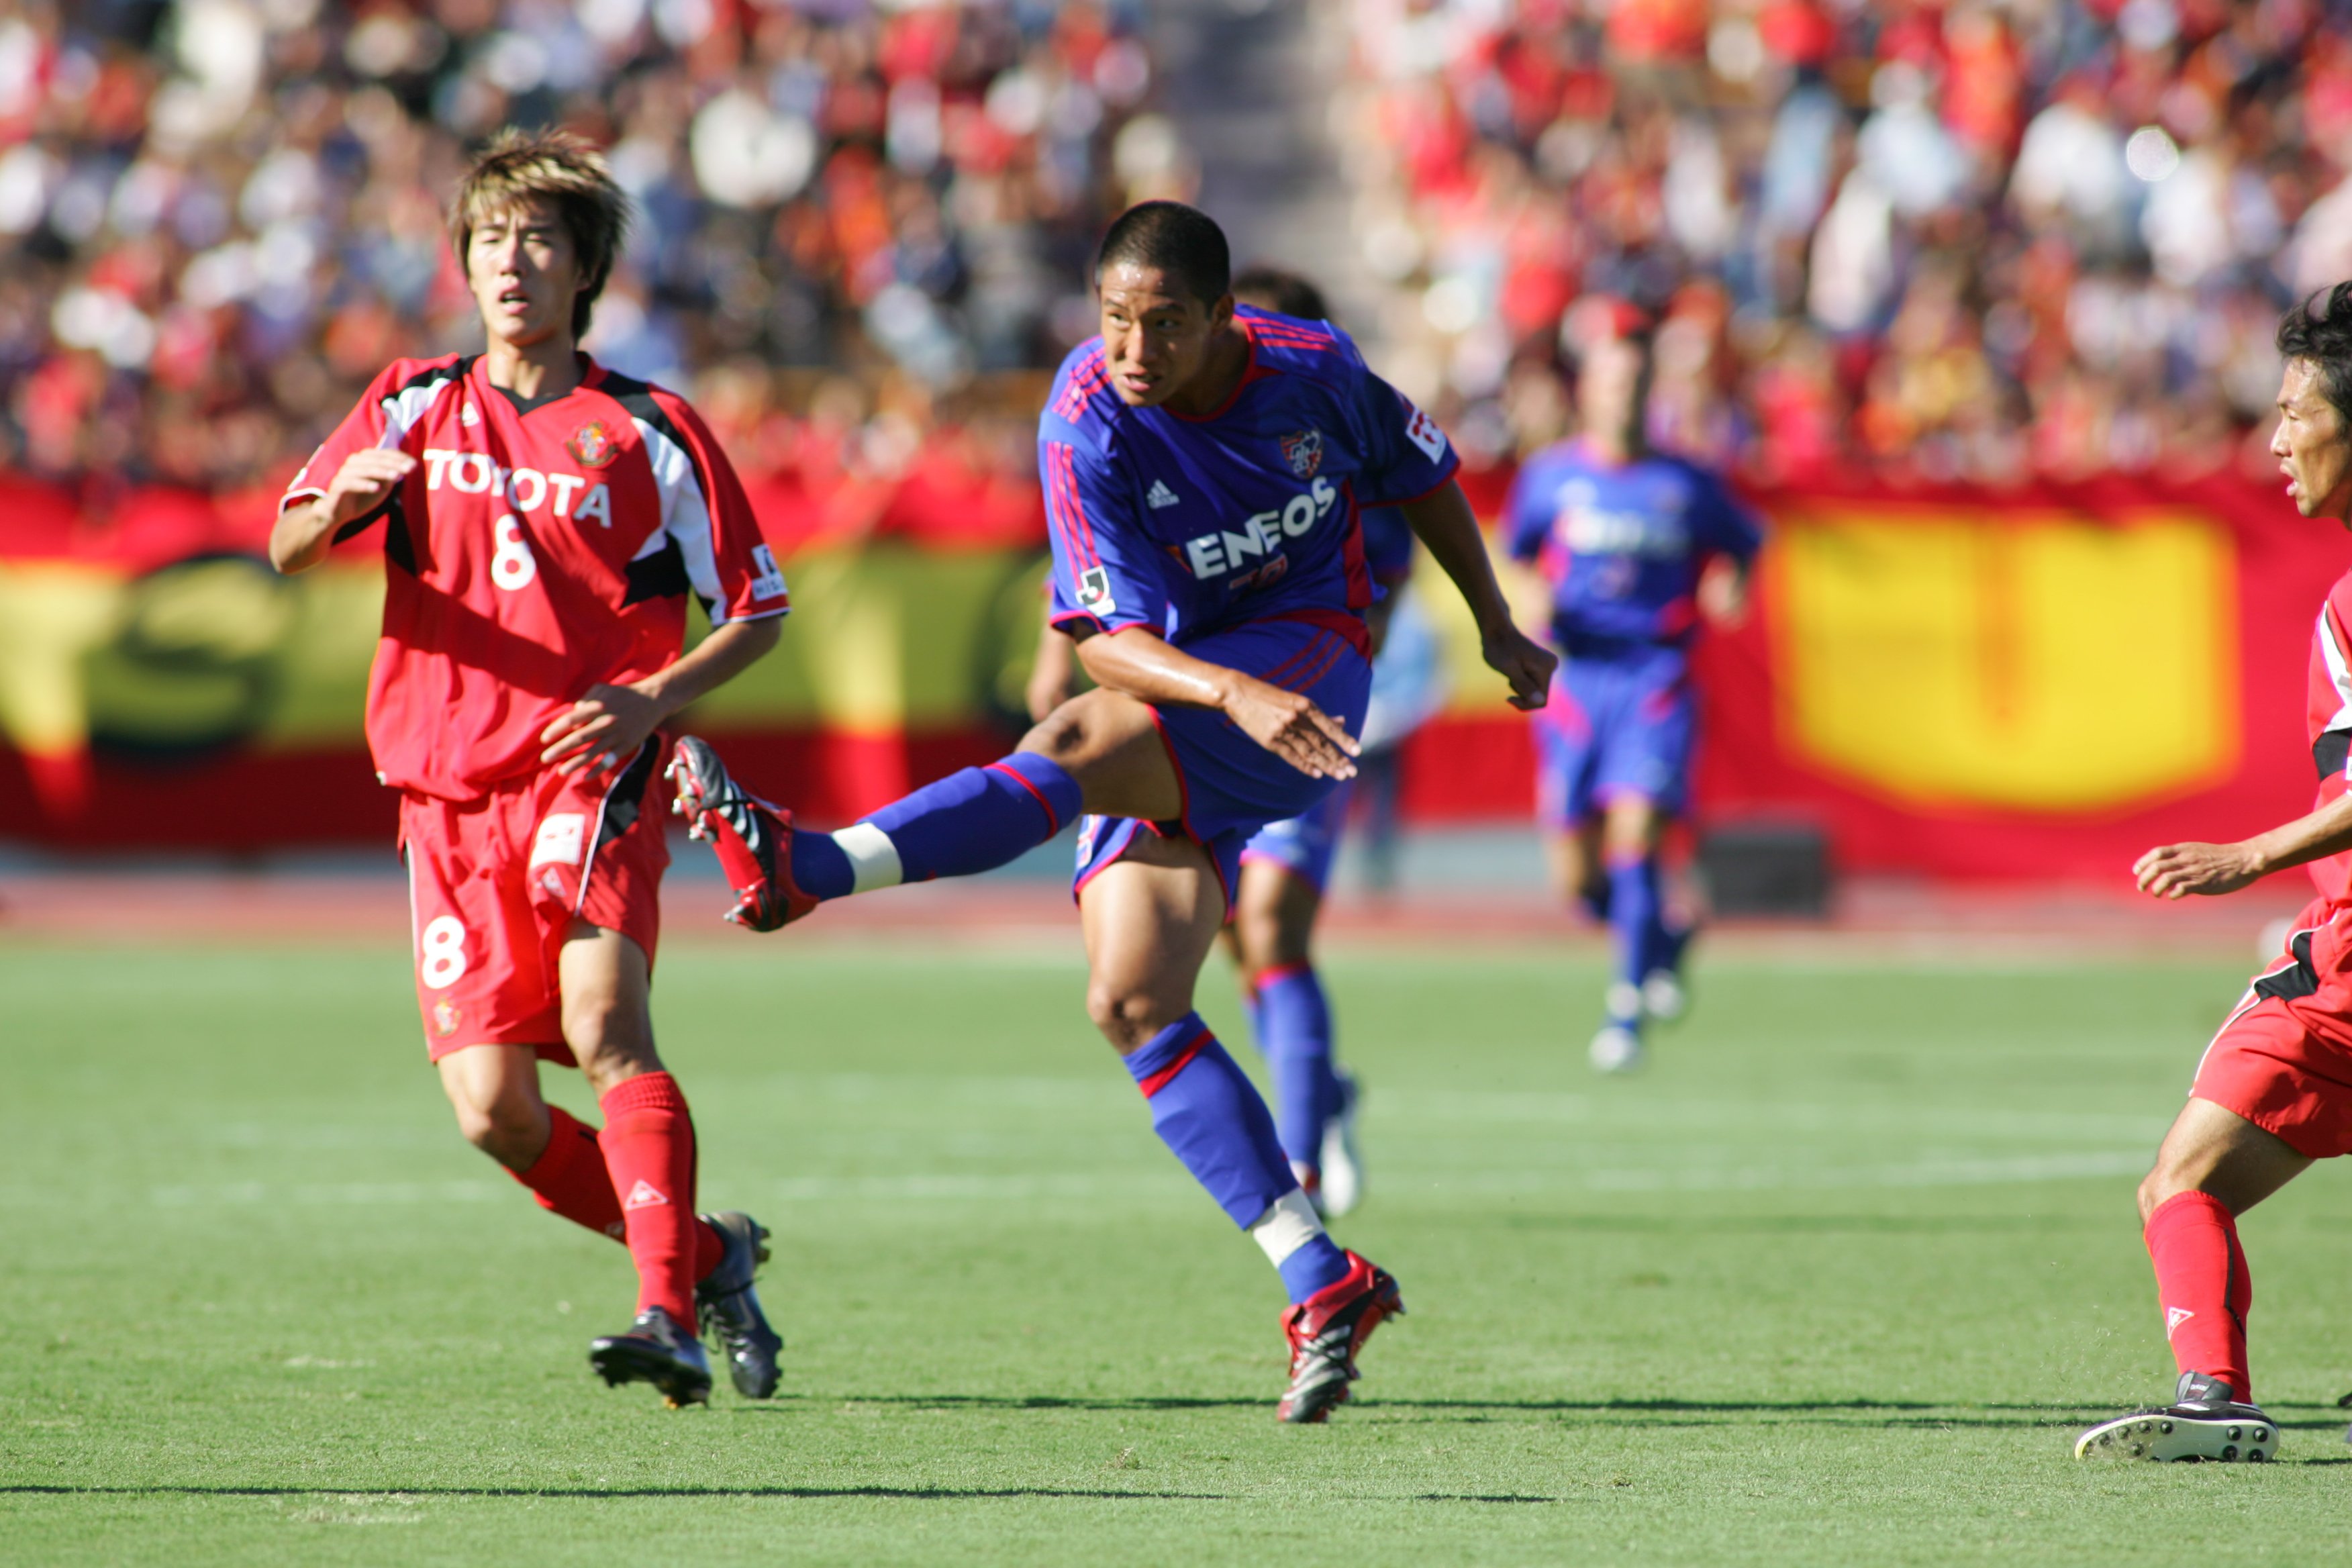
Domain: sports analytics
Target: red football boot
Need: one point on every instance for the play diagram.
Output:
(754, 840)
(1326, 1331)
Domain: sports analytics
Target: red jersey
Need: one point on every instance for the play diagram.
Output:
(537, 549)
(2330, 716)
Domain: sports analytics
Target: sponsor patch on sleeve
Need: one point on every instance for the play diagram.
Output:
(1094, 593)
(770, 583)
(1422, 431)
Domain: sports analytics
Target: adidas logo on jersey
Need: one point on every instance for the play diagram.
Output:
(645, 1197)
(469, 416)
(1159, 495)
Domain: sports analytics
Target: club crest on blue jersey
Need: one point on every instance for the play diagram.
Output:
(1304, 452)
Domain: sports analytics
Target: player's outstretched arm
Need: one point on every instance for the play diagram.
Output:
(1445, 522)
(303, 534)
(604, 728)
(2175, 870)
(1146, 666)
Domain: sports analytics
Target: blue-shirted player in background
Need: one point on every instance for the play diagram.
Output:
(1286, 866)
(1203, 466)
(1637, 545)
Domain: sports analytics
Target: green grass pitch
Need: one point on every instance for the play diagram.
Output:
(1835, 1281)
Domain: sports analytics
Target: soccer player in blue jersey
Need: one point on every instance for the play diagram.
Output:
(1629, 538)
(1203, 467)
(1286, 866)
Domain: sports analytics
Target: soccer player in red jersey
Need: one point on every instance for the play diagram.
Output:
(2273, 1091)
(544, 521)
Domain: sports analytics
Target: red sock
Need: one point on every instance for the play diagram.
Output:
(570, 1179)
(2203, 1287)
(648, 1143)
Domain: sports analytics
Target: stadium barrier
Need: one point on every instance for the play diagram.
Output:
(2027, 683)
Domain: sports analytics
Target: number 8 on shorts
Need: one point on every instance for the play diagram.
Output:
(442, 953)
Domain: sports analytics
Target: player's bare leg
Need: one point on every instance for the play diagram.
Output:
(2212, 1166)
(1149, 919)
(1272, 933)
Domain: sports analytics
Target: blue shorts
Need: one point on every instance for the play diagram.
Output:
(1304, 845)
(1616, 727)
(1234, 786)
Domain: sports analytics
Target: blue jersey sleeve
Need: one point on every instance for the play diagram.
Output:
(1406, 456)
(1722, 525)
(1526, 521)
(1106, 573)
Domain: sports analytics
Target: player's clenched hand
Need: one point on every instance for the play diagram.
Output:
(1526, 663)
(603, 730)
(366, 477)
(1293, 729)
(2176, 870)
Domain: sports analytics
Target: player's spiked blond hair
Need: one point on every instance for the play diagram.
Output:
(555, 166)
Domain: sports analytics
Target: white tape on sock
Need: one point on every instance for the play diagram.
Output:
(873, 858)
(1288, 1224)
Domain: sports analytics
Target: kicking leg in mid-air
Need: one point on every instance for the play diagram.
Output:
(1151, 901)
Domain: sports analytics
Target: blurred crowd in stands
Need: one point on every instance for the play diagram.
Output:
(1975, 238)
(858, 222)
(1982, 239)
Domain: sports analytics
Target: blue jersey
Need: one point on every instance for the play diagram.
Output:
(1192, 526)
(1623, 545)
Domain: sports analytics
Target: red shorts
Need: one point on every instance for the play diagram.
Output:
(496, 882)
(2284, 1060)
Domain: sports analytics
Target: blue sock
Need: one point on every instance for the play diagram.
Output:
(973, 820)
(1316, 1266)
(1211, 1119)
(1294, 1031)
(1636, 914)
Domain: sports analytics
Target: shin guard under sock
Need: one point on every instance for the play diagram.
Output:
(648, 1147)
(1211, 1117)
(570, 1180)
(973, 820)
(2203, 1287)
(1293, 1019)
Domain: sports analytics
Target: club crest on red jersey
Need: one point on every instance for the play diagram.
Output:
(594, 444)
(1304, 452)
(446, 1018)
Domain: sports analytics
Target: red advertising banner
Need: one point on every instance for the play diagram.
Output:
(2037, 682)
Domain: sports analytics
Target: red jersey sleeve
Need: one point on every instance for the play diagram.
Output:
(704, 509)
(385, 412)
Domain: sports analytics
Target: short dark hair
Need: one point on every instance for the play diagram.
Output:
(2320, 331)
(1183, 242)
(1282, 291)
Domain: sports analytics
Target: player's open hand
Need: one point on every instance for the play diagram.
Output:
(363, 482)
(2176, 870)
(603, 730)
(1293, 729)
(1526, 663)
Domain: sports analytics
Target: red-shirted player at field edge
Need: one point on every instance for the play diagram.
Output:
(543, 519)
(2273, 1091)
